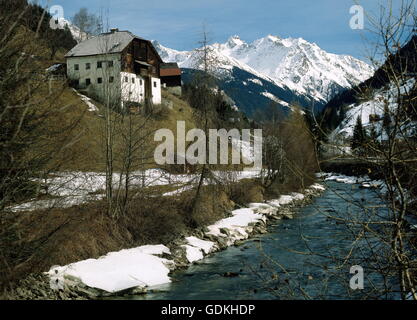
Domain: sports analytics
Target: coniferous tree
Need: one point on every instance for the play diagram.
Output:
(386, 120)
(359, 136)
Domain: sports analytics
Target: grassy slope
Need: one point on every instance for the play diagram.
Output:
(87, 153)
(69, 116)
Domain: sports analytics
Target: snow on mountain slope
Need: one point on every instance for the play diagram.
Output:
(250, 93)
(374, 106)
(191, 60)
(77, 34)
(300, 65)
(290, 63)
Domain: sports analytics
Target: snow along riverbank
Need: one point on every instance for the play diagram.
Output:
(69, 189)
(366, 182)
(363, 181)
(138, 269)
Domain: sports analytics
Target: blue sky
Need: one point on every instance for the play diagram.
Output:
(178, 24)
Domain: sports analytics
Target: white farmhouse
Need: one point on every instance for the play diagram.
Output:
(116, 67)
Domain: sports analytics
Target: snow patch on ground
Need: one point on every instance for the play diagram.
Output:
(76, 188)
(206, 246)
(63, 202)
(91, 106)
(240, 218)
(297, 196)
(53, 67)
(154, 249)
(270, 96)
(285, 199)
(116, 271)
(193, 254)
(363, 181)
(345, 179)
(256, 81)
(318, 186)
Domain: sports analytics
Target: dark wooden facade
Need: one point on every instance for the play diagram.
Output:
(170, 74)
(140, 57)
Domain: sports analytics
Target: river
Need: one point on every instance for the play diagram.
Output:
(291, 261)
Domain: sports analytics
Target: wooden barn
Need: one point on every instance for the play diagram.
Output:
(170, 75)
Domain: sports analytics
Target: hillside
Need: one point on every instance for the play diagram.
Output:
(250, 92)
(374, 108)
(86, 152)
(30, 15)
(403, 64)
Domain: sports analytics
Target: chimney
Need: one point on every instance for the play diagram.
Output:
(113, 30)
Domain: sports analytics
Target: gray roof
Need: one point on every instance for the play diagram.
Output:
(105, 43)
(169, 65)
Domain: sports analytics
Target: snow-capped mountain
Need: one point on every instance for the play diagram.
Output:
(222, 63)
(77, 34)
(296, 64)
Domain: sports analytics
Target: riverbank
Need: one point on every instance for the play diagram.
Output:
(307, 257)
(134, 271)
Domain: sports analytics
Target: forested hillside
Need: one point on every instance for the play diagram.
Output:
(402, 64)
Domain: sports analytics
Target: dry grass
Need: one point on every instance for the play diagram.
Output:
(247, 191)
(45, 238)
(87, 154)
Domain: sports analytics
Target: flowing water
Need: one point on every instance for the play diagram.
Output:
(292, 261)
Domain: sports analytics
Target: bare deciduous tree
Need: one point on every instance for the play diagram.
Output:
(36, 129)
(88, 23)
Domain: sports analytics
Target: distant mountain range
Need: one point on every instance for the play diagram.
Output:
(275, 69)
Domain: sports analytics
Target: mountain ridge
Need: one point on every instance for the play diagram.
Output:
(291, 63)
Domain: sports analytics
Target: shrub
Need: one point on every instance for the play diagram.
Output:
(210, 207)
(160, 113)
(152, 221)
(247, 191)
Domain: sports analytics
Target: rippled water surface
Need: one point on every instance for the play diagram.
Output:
(280, 264)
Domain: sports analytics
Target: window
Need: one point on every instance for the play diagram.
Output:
(155, 84)
(110, 63)
(111, 79)
(133, 80)
(99, 80)
(87, 82)
(76, 83)
(76, 67)
(140, 82)
(87, 66)
(126, 79)
(99, 64)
